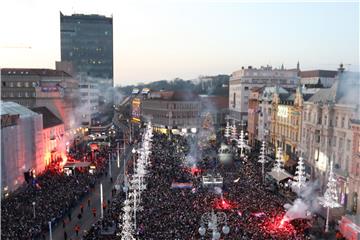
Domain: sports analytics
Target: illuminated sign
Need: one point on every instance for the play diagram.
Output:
(322, 160)
(135, 112)
(282, 111)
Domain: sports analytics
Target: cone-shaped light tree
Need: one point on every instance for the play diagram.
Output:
(262, 159)
(227, 130)
(330, 199)
(279, 161)
(300, 177)
(233, 132)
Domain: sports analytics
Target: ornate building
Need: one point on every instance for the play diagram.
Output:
(285, 128)
(327, 135)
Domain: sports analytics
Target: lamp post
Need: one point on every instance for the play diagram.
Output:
(50, 231)
(33, 203)
(213, 220)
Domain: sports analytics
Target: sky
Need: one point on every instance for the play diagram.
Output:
(165, 39)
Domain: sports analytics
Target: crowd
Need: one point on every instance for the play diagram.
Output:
(54, 194)
(253, 211)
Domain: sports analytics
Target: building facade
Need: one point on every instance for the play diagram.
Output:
(87, 42)
(253, 115)
(21, 145)
(243, 80)
(265, 108)
(53, 132)
(354, 178)
(32, 87)
(327, 135)
(89, 102)
(172, 110)
(286, 122)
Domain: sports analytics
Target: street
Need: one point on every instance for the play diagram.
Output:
(87, 217)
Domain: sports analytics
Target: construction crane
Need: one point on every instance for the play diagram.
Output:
(16, 46)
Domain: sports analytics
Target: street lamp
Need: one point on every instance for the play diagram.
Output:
(213, 220)
(33, 203)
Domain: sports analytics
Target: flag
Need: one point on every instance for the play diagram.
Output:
(181, 185)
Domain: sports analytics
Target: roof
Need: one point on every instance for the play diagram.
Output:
(279, 176)
(34, 72)
(49, 119)
(318, 73)
(345, 90)
(219, 102)
(12, 108)
(175, 96)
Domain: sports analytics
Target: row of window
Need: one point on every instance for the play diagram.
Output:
(17, 94)
(339, 122)
(17, 84)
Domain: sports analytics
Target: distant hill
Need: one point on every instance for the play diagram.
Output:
(211, 85)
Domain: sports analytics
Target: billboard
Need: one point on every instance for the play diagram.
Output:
(135, 109)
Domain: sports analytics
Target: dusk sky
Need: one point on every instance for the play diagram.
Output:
(156, 40)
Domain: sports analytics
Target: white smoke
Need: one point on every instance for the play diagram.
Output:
(306, 204)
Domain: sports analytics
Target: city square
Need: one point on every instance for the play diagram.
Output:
(180, 120)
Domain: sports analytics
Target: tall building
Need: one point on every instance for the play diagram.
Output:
(243, 80)
(318, 78)
(87, 42)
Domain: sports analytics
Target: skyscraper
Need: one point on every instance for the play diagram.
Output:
(87, 41)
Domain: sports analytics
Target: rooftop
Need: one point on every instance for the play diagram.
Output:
(318, 73)
(33, 72)
(49, 119)
(175, 96)
(12, 108)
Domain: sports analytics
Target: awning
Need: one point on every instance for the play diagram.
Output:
(279, 176)
(77, 165)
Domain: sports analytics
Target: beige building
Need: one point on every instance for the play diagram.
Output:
(243, 80)
(285, 127)
(32, 87)
(172, 110)
(326, 132)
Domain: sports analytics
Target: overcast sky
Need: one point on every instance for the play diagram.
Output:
(165, 39)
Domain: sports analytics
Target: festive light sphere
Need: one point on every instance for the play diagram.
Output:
(216, 235)
(226, 229)
(202, 231)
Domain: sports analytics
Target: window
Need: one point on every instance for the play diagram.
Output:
(234, 100)
(19, 94)
(246, 88)
(317, 136)
(33, 94)
(342, 122)
(334, 142)
(26, 84)
(26, 94)
(348, 144)
(11, 84)
(325, 120)
(3, 84)
(336, 121)
(11, 94)
(18, 84)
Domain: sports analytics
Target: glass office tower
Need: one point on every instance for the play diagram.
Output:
(87, 42)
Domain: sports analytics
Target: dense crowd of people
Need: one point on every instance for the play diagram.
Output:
(172, 204)
(54, 194)
(253, 212)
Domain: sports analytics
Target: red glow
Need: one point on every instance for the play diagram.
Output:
(224, 204)
(194, 170)
(279, 225)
